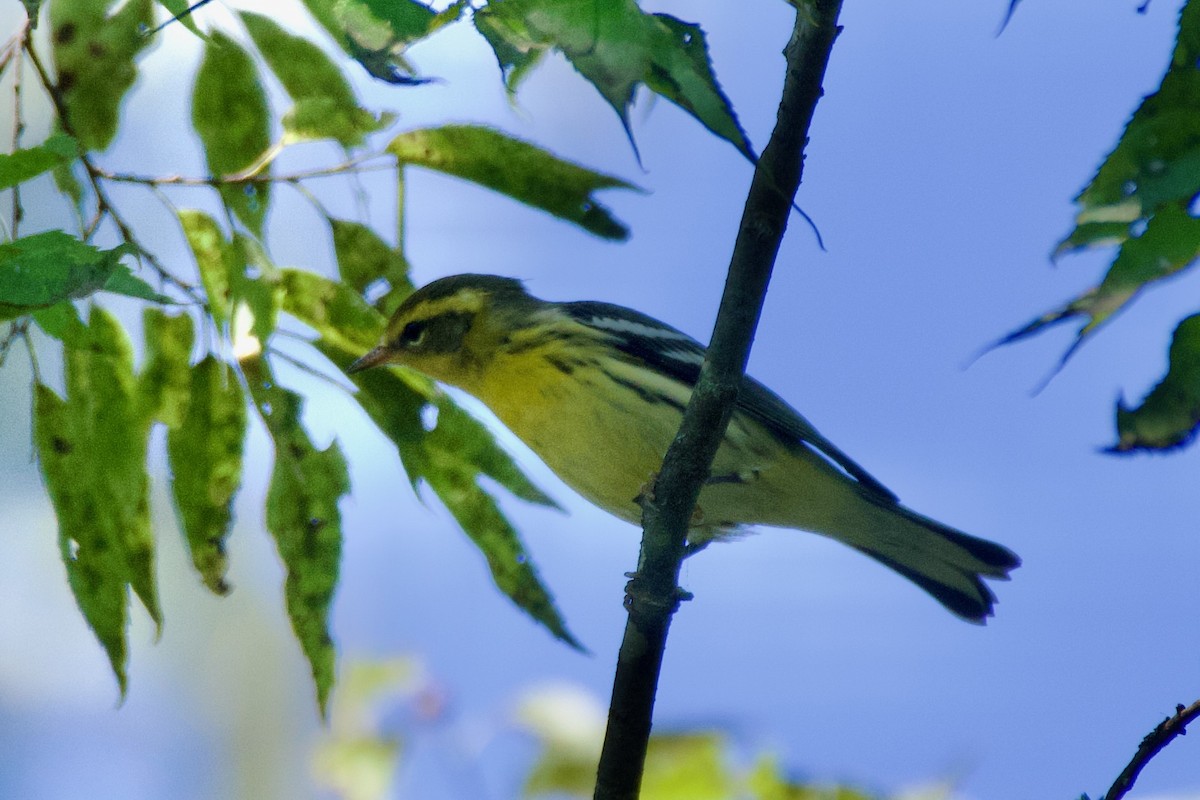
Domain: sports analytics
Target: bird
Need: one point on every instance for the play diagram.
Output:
(598, 391)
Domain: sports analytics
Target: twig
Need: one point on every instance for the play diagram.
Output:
(1162, 735)
(33, 362)
(353, 165)
(104, 206)
(19, 328)
(275, 352)
(653, 593)
(18, 213)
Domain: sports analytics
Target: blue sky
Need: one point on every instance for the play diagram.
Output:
(941, 167)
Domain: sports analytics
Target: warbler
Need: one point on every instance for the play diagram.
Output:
(597, 391)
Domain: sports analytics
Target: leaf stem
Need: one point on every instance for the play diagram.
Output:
(653, 593)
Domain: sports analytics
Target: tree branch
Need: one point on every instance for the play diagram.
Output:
(1162, 735)
(104, 206)
(653, 594)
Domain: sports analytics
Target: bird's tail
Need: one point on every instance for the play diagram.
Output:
(945, 562)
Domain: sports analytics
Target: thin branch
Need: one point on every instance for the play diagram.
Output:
(18, 213)
(18, 329)
(351, 166)
(33, 361)
(104, 206)
(653, 594)
(275, 352)
(1162, 735)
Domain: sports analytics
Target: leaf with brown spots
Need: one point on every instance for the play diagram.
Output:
(94, 57)
(303, 518)
(92, 453)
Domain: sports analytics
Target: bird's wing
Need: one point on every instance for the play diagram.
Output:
(773, 413)
(679, 356)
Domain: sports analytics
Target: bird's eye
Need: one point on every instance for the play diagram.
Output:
(413, 333)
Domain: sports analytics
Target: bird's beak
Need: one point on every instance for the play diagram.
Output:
(372, 359)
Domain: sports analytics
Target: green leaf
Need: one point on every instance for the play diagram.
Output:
(516, 168)
(92, 452)
(1157, 160)
(325, 105)
(377, 33)
(32, 7)
(303, 518)
(94, 61)
(241, 282)
(370, 265)
(214, 260)
(231, 116)
(334, 310)
(21, 165)
(1169, 415)
(766, 781)
(616, 47)
(687, 765)
(165, 380)
(46, 268)
(254, 281)
(67, 182)
(1169, 244)
(438, 458)
(60, 321)
(450, 458)
(96, 569)
(205, 455)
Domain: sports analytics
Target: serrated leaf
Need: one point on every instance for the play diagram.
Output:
(22, 165)
(370, 265)
(450, 458)
(92, 452)
(517, 48)
(437, 458)
(303, 518)
(1169, 245)
(60, 321)
(1169, 415)
(94, 60)
(616, 47)
(325, 105)
(232, 118)
(205, 456)
(377, 33)
(1157, 159)
(516, 168)
(681, 71)
(165, 380)
(44, 269)
(1156, 163)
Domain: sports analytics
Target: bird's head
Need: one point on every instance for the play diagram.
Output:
(450, 328)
